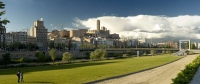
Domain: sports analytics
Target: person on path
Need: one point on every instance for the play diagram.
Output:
(18, 75)
(22, 75)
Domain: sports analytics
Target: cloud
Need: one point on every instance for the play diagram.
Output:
(147, 26)
(51, 24)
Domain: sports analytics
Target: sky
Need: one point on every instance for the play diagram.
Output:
(129, 18)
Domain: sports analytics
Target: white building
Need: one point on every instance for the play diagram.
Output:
(21, 37)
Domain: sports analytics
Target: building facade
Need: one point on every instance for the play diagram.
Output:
(78, 33)
(39, 31)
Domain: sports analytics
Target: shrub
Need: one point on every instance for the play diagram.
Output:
(21, 59)
(98, 54)
(67, 57)
(37, 54)
(186, 75)
(41, 57)
(53, 54)
(6, 58)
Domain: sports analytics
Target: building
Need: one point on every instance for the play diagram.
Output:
(39, 31)
(78, 33)
(103, 32)
(172, 44)
(21, 37)
(9, 38)
(31, 39)
(114, 36)
(2, 36)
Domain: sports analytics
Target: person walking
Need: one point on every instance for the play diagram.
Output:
(18, 75)
(22, 76)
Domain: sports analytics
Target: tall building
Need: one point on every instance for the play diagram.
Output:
(2, 36)
(98, 25)
(39, 31)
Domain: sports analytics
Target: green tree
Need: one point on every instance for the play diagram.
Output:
(41, 57)
(4, 21)
(152, 52)
(187, 45)
(98, 54)
(6, 59)
(37, 53)
(67, 57)
(193, 46)
(53, 54)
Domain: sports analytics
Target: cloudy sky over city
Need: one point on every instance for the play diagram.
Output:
(129, 18)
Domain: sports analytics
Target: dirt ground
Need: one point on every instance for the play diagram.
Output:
(160, 75)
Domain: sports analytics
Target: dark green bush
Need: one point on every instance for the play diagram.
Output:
(186, 75)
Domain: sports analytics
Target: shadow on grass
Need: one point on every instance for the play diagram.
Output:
(51, 67)
(115, 77)
(40, 82)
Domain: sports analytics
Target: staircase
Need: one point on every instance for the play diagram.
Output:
(180, 53)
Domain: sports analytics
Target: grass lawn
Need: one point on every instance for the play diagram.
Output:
(83, 72)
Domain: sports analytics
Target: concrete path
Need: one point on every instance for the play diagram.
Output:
(160, 75)
(196, 78)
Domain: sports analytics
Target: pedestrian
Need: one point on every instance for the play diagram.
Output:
(18, 75)
(22, 76)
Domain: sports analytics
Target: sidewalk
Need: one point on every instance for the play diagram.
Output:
(196, 78)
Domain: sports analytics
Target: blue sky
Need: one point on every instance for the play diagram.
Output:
(22, 13)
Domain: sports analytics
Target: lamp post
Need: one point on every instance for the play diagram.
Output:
(96, 43)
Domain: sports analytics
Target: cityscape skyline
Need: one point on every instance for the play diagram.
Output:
(133, 19)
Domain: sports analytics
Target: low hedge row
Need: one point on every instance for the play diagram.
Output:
(186, 75)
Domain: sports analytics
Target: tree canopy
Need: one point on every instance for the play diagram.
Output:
(4, 21)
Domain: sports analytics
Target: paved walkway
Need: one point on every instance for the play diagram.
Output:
(160, 75)
(196, 78)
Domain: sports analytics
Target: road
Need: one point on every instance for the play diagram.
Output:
(160, 75)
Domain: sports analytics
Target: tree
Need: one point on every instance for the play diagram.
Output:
(152, 52)
(37, 53)
(41, 57)
(98, 54)
(67, 57)
(6, 58)
(193, 46)
(4, 21)
(187, 45)
(53, 54)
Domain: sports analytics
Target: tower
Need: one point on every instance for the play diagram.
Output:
(98, 25)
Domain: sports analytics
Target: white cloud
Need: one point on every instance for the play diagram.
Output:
(147, 26)
(51, 24)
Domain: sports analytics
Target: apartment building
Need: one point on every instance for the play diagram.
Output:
(9, 38)
(39, 31)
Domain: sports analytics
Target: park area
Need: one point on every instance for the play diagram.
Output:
(78, 73)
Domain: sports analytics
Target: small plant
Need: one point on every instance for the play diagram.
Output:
(98, 54)
(67, 57)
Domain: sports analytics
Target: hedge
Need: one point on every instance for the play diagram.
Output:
(186, 75)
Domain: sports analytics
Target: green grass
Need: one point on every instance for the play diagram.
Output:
(83, 72)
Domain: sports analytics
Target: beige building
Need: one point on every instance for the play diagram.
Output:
(31, 39)
(39, 31)
(78, 33)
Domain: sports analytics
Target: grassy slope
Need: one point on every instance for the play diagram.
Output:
(83, 72)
